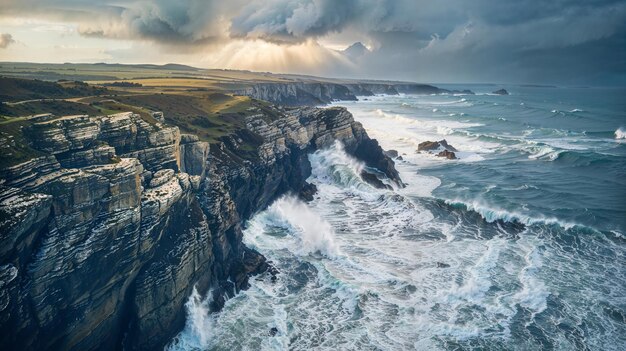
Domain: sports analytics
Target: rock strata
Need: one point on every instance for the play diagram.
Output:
(106, 235)
(320, 93)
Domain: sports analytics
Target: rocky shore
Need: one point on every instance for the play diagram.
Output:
(106, 233)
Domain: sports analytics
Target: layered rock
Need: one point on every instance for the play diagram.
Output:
(299, 93)
(319, 93)
(105, 237)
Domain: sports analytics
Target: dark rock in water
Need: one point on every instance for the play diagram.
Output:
(428, 146)
(307, 192)
(447, 154)
(391, 153)
(434, 145)
(442, 265)
(399, 158)
(369, 151)
(273, 331)
(501, 92)
(447, 146)
(373, 180)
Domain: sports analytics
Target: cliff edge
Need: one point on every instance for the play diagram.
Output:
(110, 224)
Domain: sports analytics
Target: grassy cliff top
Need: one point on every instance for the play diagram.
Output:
(193, 105)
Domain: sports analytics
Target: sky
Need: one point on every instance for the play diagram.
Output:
(566, 42)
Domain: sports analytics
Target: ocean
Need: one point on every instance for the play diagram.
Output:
(517, 245)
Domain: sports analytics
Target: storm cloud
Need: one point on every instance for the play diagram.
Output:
(569, 41)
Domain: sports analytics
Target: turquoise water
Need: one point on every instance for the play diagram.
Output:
(517, 245)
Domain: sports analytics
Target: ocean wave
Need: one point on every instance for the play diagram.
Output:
(315, 234)
(540, 151)
(443, 103)
(583, 158)
(576, 110)
(442, 130)
(492, 215)
(334, 166)
(620, 133)
(522, 187)
(199, 326)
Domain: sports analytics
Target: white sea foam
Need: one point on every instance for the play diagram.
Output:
(408, 275)
(534, 293)
(620, 133)
(197, 334)
(403, 133)
(315, 234)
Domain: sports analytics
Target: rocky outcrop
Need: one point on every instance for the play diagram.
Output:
(439, 148)
(299, 93)
(318, 93)
(369, 89)
(501, 92)
(106, 235)
(434, 145)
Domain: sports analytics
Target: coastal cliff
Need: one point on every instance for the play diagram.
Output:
(321, 93)
(109, 228)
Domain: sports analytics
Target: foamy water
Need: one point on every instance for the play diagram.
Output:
(467, 256)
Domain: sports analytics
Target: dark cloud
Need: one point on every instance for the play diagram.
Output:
(6, 39)
(443, 40)
(164, 21)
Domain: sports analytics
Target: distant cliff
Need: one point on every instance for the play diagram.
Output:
(321, 93)
(107, 231)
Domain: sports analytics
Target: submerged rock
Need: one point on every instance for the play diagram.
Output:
(373, 180)
(447, 154)
(501, 92)
(307, 192)
(442, 265)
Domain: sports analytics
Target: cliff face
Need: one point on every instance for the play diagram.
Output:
(312, 94)
(105, 236)
(299, 93)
